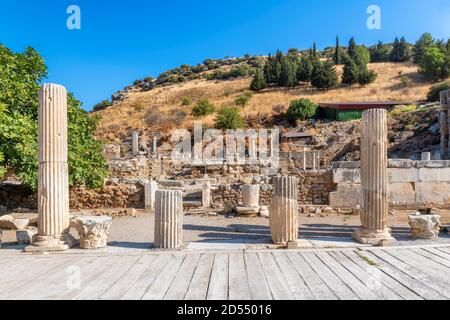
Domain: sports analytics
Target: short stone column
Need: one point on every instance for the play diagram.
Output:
(425, 156)
(250, 195)
(53, 180)
(168, 219)
(206, 194)
(93, 231)
(150, 195)
(374, 202)
(283, 218)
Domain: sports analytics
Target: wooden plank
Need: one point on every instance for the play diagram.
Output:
(129, 279)
(331, 280)
(17, 278)
(277, 283)
(143, 282)
(295, 282)
(238, 280)
(58, 281)
(404, 275)
(257, 281)
(438, 253)
(198, 288)
(218, 283)
(369, 277)
(429, 254)
(183, 278)
(358, 287)
(430, 269)
(386, 279)
(107, 278)
(162, 283)
(318, 289)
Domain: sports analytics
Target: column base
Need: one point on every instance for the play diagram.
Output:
(51, 243)
(373, 237)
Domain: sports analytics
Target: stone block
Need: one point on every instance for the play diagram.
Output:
(399, 175)
(93, 230)
(425, 226)
(346, 176)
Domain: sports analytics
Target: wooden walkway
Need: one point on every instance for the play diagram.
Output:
(346, 274)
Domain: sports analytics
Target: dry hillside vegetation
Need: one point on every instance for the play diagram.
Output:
(162, 109)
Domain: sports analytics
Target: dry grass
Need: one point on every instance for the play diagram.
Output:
(168, 100)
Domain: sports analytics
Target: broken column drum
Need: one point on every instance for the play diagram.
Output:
(168, 219)
(53, 184)
(250, 195)
(283, 217)
(150, 194)
(373, 202)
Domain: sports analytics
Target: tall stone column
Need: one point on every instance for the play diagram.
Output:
(135, 144)
(374, 202)
(284, 210)
(206, 194)
(168, 219)
(53, 184)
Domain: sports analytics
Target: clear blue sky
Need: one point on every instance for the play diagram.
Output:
(121, 41)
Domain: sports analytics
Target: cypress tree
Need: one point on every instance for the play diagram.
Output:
(304, 70)
(350, 72)
(352, 48)
(337, 53)
(426, 41)
(324, 75)
(287, 75)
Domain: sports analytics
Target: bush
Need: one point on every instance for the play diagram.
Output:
(229, 118)
(186, 101)
(366, 76)
(203, 108)
(433, 64)
(243, 100)
(301, 109)
(405, 81)
(102, 105)
(259, 82)
(434, 93)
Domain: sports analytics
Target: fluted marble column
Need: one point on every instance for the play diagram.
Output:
(53, 184)
(284, 210)
(374, 202)
(168, 219)
(250, 195)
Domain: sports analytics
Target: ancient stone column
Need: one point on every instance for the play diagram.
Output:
(155, 147)
(206, 194)
(135, 144)
(150, 195)
(283, 218)
(250, 195)
(53, 184)
(374, 202)
(168, 219)
(426, 156)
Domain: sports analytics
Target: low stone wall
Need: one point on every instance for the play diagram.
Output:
(410, 184)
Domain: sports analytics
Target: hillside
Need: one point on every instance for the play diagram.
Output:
(161, 107)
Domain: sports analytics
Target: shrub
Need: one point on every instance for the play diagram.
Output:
(229, 118)
(405, 81)
(434, 93)
(186, 101)
(278, 109)
(243, 100)
(102, 105)
(259, 82)
(433, 63)
(366, 76)
(203, 108)
(301, 109)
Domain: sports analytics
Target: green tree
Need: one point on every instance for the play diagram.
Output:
(228, 118)
(287, 75)
(301, 109)
(337, 53)
(380, 52)
(350, 72)
(20, 75)
(259, 82)
(203, 108)
(304, 69)
(351, 50)
(401, 51)
(423, 44)
(366, 76)
(361, 56)
(433, 64)
(324, 75)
